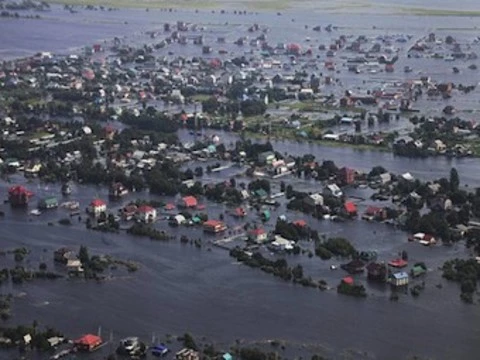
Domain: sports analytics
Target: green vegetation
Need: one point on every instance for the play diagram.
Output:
(440, 12)
(465, 272)
(351, 290)
(39, 337)
(140, 229)
(278, 268)
(337, 246)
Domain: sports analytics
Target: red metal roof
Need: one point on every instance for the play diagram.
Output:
(145, 209)
(398, 263)
(258, 231)
(300, 223)
(190, 201)
(212, 223)
(97, 203)
(89, 340)
(350, 207)
(169, 206)
(19, 190)
(373, 210)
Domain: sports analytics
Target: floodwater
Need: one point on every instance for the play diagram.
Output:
(180, 288)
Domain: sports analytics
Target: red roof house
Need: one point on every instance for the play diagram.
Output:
(300, 223)
(146, 214)
(347, 280)
(188, 202)
(239, 212)
(19, 196)
(398, 263)
(350, 208)
(88, 342)
(97, 206)
(169, 206)
(346, 176)
(258, 235)
(214, 226)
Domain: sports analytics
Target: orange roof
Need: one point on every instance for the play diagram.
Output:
(89, 340)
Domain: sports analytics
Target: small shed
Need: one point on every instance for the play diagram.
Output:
(399, 279)
(50, 202)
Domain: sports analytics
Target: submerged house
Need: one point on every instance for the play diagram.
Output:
(50, 202)
(377, 272)
(333, 190)
(96, 207)
(88, 343)
(146, 214)
(188, 202)
(399, 279)
(214, 226)
(258, 235)
(117, 190)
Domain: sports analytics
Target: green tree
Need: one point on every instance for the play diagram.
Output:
(454, 180)
(83, 255)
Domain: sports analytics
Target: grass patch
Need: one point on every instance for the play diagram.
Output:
(310, 106)
(440, 12)
(201, 97)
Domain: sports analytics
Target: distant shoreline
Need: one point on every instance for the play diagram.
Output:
(363, 7)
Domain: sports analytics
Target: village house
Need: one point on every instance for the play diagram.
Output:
(350, 208)
(88, 343)
(418, 270)
(346, 176)
(266, 157)
(188, 202)
(356, 266)
(117, 190)
(239, 212)
(332, 190)
(187, 354)
(374, 213)
(177, 220)
(281, 244)
(313, 200)
(146, 214)
(96, 207)
(214, 226)
(74, 267)
(128, 211)
(62, 255)
(32, 170)
(399, 279)
(258, 235)
(384, 178)
(50, 202)
(377, 272)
